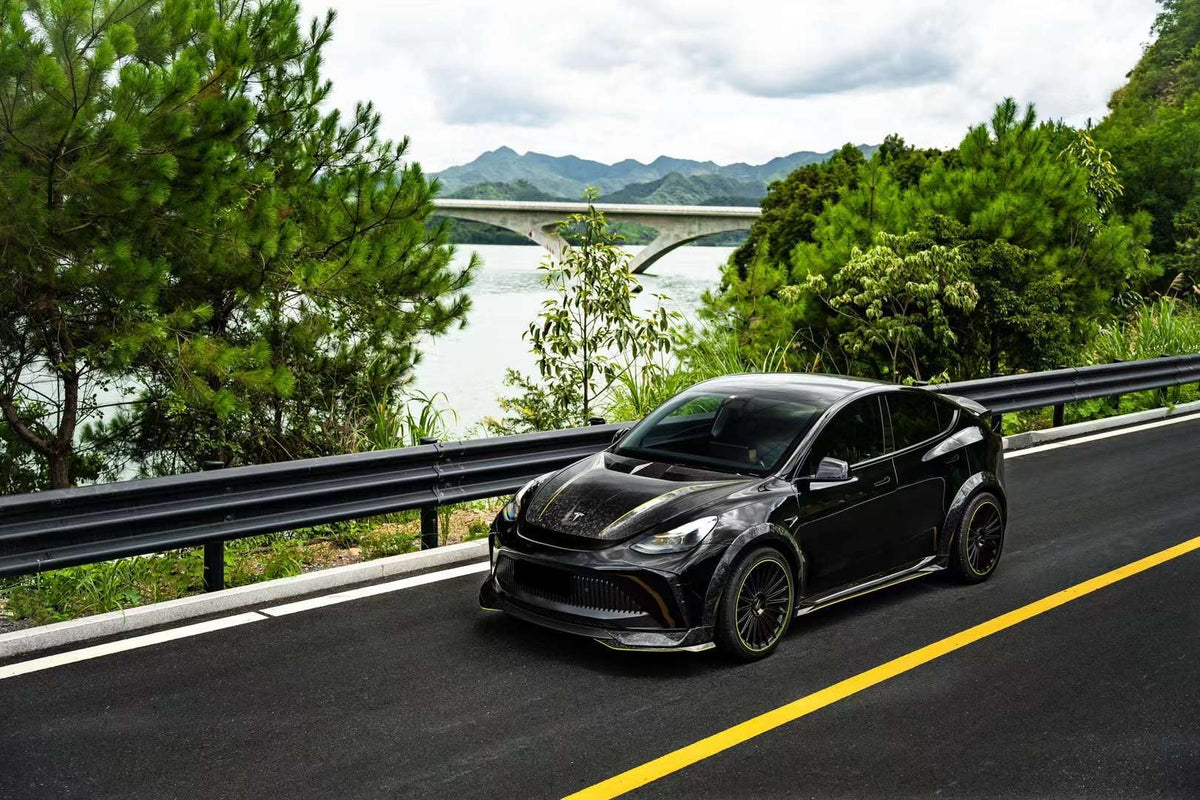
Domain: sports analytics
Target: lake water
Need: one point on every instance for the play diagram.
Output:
(468, 365)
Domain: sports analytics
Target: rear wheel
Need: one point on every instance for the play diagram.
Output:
(756, 605)
(979, 539)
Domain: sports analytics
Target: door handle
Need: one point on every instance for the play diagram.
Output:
(884, 481)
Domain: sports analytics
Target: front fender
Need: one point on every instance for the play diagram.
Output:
(764, 533)
(979, 482)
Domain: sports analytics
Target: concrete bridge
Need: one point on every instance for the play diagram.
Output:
(676, 225)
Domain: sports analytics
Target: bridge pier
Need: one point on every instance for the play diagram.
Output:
(547, 236)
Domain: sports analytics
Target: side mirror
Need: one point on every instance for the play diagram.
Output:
(832, 469)
(619, 435)
(829, 470)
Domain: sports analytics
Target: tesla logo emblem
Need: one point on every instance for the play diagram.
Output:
(574, 515)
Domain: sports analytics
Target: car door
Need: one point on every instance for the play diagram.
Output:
(917, 421)
(843, 527)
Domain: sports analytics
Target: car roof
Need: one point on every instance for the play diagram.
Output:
(829, 387)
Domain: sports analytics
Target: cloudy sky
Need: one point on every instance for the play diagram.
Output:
(727, 81)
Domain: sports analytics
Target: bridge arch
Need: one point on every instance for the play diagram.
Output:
(676, 225)
(538, 228)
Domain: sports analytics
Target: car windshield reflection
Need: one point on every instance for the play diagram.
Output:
(725, 431)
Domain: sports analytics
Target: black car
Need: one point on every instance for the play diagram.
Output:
(747, 500)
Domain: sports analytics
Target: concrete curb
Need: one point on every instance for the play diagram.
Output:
(1021, 441)
(255, 594)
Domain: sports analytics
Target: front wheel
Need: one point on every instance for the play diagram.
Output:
(756, 605)
(979, 539)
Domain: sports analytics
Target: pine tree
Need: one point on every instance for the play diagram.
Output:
(1047, 262)
(180, 219)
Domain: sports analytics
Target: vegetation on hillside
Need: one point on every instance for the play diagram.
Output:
(1023, 208)
(1153, 133)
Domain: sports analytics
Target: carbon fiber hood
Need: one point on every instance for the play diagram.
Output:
(607, 498)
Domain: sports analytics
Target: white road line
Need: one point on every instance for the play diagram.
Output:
(1041, 448)
(379, 588)
(96, 651)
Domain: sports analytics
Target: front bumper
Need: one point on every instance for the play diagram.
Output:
(620, 609)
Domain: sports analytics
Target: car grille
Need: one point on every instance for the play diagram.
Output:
(566, 588)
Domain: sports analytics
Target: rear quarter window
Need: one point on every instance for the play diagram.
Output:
(916, 416)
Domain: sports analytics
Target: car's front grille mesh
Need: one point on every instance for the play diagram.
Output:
(600, 593)
(559, 586)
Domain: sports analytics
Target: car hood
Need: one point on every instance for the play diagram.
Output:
(607, 498)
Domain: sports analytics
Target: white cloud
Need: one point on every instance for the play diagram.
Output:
(714, 80)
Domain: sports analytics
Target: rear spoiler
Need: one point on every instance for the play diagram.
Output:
(968, 403)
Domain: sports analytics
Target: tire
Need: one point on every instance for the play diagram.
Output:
(761, 594)
(979, 539)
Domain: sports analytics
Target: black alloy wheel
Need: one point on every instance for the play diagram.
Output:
(980, 539)
(757, 605)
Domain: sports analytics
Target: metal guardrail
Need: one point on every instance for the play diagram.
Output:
(65, 527)
(1009, 393)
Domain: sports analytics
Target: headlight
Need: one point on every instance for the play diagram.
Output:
(676, 540)
(513, 507)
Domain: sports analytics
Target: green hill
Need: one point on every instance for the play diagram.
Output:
(567, 176)
(690, 190)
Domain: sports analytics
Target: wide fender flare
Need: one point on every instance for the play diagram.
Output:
(979, 482)
(764, 533)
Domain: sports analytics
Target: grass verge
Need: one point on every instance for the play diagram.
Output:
(63, 594)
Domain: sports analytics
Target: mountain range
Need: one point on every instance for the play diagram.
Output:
(503, 174)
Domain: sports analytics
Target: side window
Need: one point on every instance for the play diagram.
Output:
(855, 434)
(914, 418)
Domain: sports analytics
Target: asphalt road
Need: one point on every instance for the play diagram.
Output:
(419, 694)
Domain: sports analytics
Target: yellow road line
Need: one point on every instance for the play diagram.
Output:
(742, 732)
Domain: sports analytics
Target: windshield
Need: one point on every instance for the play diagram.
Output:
(736, 432)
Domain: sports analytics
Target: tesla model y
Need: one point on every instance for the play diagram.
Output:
(746, 501)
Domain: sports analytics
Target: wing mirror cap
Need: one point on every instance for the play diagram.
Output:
(618, 435)
(829, 470)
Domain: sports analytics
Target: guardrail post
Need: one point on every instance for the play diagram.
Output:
(1060, 411)
(214, 552)
(595, 420)
(429, 515)
(998, 423)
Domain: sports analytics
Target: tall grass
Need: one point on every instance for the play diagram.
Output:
(390, 422)
(1167, 327)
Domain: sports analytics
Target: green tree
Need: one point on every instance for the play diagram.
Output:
(588, 335)
(1047, 260)
(898, 300)
(791, 207)
(181, 220)
(1026, 205)
(1152, 130)
(801, 231)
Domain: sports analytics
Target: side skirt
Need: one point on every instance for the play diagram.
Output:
(925, 566)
